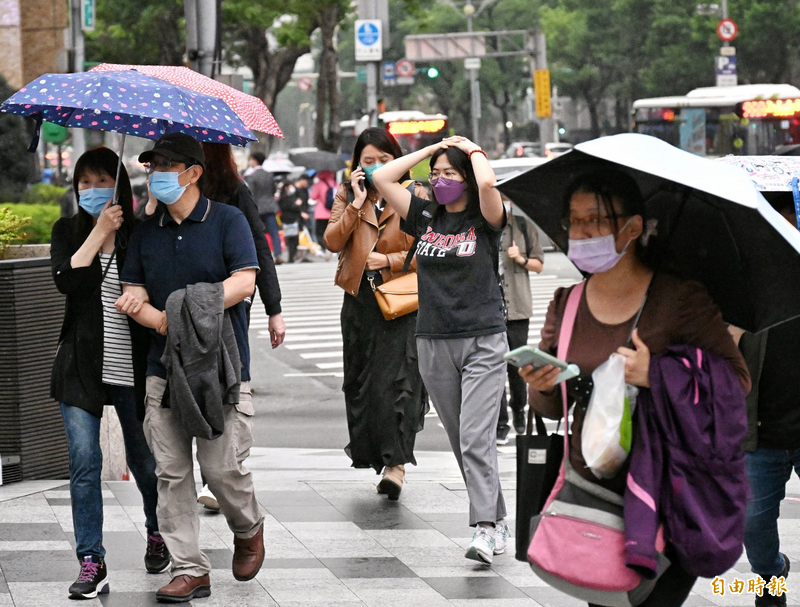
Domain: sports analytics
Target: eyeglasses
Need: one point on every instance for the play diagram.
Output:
(589, 222)
(447, 174)
(161, 165)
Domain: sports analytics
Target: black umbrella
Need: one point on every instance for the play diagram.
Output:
(707, 222)
(319, 160)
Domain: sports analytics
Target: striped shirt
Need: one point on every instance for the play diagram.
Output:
(117, 359)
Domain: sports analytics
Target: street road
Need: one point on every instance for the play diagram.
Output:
(297, 388)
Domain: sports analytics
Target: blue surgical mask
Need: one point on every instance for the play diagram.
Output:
(165, 186)
(368, 171)
(94, 199)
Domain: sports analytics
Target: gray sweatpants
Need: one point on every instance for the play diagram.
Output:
(221, 461)
(465, 378)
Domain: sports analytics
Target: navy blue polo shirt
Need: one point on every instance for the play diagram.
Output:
(212, 243)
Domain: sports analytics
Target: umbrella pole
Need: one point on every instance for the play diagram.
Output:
(119, 167)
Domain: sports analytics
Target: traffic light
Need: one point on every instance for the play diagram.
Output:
(541, 86)
(562, 130)
(432, 72)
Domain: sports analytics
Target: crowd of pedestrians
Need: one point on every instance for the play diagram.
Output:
(157, 318)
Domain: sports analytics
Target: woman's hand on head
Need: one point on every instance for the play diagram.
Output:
(462, 143)
(542, 379)
(357, 179)
(110, 218)
(637, 363)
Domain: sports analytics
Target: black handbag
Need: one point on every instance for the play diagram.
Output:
(538, 461)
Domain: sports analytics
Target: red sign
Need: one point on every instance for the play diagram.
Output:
(404, 68)
(771, 108)
(305, 84)
(727, 30)
(413, 127)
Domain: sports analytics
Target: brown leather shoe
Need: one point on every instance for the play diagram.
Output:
(248, 555)
(184, 588)
(392, 482)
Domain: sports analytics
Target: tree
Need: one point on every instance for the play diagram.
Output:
(148, 32)
(19, 168)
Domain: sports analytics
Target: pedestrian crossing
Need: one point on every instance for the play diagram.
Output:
(312, 303)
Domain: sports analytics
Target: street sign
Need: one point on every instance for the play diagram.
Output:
(446, 46)
(727, 30)
(726, 71)
(361, 73)
(305, 84)
(87, 15)
(387, 71)
(368, 40)
(541, 86)
(404, 80)
(472, 63)
(404, 68)
(727, 51)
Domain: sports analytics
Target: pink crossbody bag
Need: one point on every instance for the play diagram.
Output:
(578, 541)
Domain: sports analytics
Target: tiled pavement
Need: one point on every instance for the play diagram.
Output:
(331, 542)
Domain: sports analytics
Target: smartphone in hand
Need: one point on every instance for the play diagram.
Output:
(527, 355)
(360, 181)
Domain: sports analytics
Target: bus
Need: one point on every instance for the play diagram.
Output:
(412, 129)
(749, 119)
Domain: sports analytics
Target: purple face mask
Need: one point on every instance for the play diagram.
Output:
(596, 255)
(447, 191)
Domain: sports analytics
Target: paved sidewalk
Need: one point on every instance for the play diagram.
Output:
(331, 542)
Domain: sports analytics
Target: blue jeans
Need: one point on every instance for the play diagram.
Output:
(271, 223)
(86, 463)
(768, 471)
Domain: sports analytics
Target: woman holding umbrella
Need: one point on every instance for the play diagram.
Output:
(383, 389)
(101, 360)
(461, 331)
(605, 218)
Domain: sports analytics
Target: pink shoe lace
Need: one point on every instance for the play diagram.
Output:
(88, 570)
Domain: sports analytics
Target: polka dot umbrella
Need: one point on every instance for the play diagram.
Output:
(252, 111)
(126, 102)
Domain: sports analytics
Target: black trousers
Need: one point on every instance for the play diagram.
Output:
(517, 337)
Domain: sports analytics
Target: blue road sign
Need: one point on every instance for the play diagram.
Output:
(368, 34)
(388, 71)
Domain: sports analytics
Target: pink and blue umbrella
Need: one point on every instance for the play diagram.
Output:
(127, 102)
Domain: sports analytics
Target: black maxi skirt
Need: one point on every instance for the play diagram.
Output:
(385, 399)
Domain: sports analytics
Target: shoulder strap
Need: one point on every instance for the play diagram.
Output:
(413, 249)
(564, 337)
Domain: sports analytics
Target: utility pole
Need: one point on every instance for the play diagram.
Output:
(201, 34)
(474, 85)
(77, 58)
(374, 9)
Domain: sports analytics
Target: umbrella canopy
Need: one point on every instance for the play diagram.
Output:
(127, 102)
(319, 160)
(279, 165)
(251, 110)
(768, 173)
(788, 150)
(707, 222)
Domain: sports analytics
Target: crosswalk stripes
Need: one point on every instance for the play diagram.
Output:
(312, 303)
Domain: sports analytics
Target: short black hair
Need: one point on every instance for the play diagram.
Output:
(258, 157)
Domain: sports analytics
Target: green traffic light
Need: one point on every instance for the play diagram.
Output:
(432, 72)
(562, 131)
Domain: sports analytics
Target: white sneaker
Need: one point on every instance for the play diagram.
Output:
(481, 548)
(208, 500)
(501, 533)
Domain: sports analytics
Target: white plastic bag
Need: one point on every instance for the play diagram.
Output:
(607, 427)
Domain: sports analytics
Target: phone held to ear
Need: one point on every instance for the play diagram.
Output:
(527, 355)
(360, 181)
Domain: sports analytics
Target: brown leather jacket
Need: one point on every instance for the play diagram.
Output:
(355, 233)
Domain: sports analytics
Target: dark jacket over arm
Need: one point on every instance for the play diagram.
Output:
(267, 279)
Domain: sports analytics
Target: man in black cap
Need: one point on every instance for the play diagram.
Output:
(191, 240)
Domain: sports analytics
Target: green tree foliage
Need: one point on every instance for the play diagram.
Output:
(146, 32)
(18, 168)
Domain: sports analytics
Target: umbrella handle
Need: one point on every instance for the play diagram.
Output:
(119, 168)
(36, 132)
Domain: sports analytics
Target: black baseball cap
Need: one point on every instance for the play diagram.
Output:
(177, 147)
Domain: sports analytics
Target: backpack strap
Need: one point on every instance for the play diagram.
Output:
(432, 204)
(564, 337)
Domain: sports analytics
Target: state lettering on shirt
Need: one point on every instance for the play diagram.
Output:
(435, 244)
